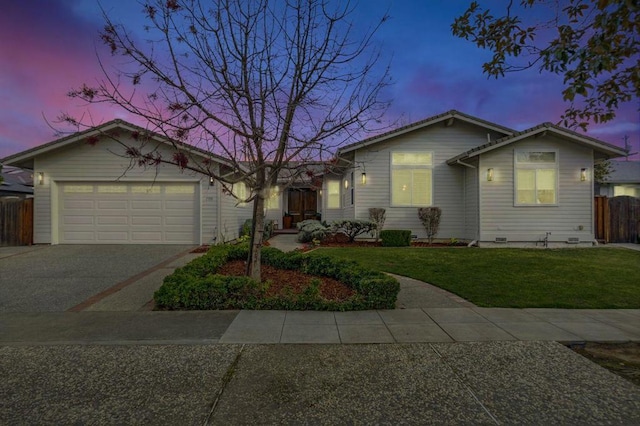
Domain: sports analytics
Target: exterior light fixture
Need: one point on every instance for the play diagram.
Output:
(346, 184)
(364, 178)
(490, 174)
(210, 180)
(40, 178)
(583, 174)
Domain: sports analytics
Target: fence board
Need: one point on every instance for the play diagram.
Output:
(16, 222)
(601, 215)
(624, 215)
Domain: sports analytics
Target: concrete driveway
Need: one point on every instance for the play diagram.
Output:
(56, 278)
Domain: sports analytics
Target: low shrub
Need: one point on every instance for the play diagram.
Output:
(198, 286)
(353, 227)
(396, 238)
(310, 230)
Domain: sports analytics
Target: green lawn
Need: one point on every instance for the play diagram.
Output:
(596, 278)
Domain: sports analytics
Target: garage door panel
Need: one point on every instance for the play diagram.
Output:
(180, 205)
(112, 236)
(133, 213)
(112, 220)
(146, 204)
(77, 220)
(79, 236)
(146, 236)
(112, 204)
(77, 204)
(146, 220)
(171, 220)
(176, 237)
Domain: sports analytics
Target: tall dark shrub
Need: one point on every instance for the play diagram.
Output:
(430, 218)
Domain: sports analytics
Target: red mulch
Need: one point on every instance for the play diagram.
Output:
(295, 281)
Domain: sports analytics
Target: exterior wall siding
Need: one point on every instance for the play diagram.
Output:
(83, 162)
(232, 217)
(471, 206)
(448, 181)
(571, 217)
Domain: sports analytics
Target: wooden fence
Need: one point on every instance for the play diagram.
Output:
(16, 222)
(617, 219)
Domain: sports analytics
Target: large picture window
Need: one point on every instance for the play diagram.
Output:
(333, 194)
(536, 177)
(411, 179)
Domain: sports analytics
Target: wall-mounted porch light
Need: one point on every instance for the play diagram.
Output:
(211, 181)
(346, 184)
(490, 174)
(40, 178)
(364, 178)
(583, 174)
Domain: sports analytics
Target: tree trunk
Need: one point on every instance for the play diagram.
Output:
(255, 243)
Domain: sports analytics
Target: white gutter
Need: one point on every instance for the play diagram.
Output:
(466, 164)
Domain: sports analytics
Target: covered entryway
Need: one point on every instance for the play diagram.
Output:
(303, 204)
(128, 213)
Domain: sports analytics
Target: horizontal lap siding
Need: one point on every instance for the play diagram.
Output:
(448, 181)
(233, 216)
(104, 162)
(471, 203)
(499, 216)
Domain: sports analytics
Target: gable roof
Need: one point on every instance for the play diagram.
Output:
(25, 158)
(449, 115)
(596, 144)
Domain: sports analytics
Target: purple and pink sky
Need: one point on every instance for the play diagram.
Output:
(48, 47)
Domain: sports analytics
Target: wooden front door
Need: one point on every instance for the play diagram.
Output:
(303, 204)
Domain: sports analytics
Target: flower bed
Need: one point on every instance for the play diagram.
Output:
(201, 284)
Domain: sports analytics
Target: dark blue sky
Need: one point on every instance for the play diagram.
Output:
(48, 47)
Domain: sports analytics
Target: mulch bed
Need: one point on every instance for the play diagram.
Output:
(281, 281)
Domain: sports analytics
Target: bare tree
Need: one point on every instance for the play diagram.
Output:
(271, 86)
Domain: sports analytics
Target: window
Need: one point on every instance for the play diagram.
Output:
(240, 192)
(272, 202)
(536, 177)
(411, 179)
(112, 189)
(630, 190)
(333, 194)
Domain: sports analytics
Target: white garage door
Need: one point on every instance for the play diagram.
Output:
(128, 213)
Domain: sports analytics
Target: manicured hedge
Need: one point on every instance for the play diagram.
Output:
(197, 286)
(395, 238)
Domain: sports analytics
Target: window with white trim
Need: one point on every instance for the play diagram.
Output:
(411, 179)
(240, 192)
(273, 199)
(333, 194)
(536, 178)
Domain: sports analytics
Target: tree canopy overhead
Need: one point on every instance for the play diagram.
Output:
(594, 45)
(272, 86)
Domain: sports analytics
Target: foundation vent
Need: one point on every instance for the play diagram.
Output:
(501, 239)
(573, 240)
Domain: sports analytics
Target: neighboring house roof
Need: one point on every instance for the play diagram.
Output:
(598, 145)
(449, 115)
(624, 172)
(24, 159)
(16, 182)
